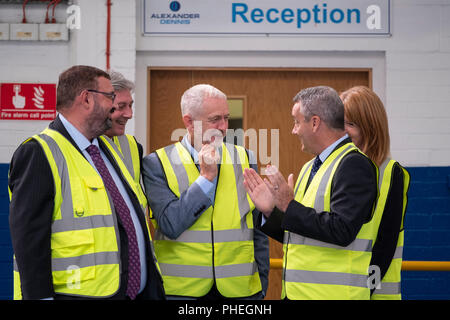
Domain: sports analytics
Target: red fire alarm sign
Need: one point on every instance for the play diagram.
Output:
(28, 101)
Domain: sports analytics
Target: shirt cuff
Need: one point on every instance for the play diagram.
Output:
(206, 186)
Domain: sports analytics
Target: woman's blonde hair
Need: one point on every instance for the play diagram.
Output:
(365, 109)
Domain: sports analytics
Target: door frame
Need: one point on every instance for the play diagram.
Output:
(249, 69)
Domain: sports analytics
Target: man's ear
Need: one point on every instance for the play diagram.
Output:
(84, 98)
(188, 121)
(316, 122)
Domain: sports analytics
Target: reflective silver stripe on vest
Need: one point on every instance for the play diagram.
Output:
(356, 245)
(334, 278)
(115, 147)
(388, 288)
(178, 167)
(66, 192)
(126, 153)
(69, 222)
(381, 172)
(87, 260)
(398, 253)
(16, 268)
(236, 270)
(319, 201)
(244, 206)
(190, 271)
(200, 236)
(83, 223)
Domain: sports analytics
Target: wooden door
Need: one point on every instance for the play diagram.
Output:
(268, 95)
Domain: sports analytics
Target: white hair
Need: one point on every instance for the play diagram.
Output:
(192, 99)
(119, 82)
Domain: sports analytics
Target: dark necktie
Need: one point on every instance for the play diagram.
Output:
(134, 265)
(315, 167)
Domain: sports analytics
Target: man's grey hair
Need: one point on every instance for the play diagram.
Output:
(119, 82)
(323, 102)
(192, 99)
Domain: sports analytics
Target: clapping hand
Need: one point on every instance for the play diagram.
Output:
(282, 191)
(259, 192)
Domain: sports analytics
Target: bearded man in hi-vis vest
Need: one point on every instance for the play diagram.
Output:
(205, 240)
(325, 219)
(77, 218)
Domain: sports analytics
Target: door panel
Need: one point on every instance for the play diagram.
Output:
(268, 102)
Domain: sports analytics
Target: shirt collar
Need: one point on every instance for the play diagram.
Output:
(325, 153)
(190, 148)
(80, 140)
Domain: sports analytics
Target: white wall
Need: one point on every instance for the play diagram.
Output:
(411, 69)
(25, 61)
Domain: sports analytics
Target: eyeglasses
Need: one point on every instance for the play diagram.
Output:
(110, 95)
(217, 119)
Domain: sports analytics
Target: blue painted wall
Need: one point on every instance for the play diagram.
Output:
(6, 273)
(427, 233)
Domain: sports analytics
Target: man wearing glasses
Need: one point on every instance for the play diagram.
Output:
(77, 225)
(205, 240)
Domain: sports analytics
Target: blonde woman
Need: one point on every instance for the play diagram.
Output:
(367, 125)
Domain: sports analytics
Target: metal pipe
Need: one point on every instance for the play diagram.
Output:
(426, 265)
(108, 34)
(406, 265)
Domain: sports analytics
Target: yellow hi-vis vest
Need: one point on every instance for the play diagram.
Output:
(390, 286)
(84, 239)
(126, 148)
(313, 269)
(218, 247)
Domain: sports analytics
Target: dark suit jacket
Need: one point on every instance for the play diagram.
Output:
(353, 194)
(31, 208)
(390, 225)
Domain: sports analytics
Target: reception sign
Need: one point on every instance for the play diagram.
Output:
(305, 17)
